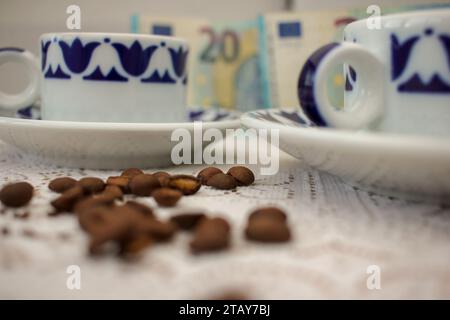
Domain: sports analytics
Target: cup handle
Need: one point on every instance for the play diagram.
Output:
(30, 94)
(368, 104)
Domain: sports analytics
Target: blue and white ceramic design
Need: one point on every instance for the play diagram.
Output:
(403, 53)
(397, 77)
(105, 77)
(132, 61)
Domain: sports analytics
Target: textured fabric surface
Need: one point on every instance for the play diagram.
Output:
(338, 232)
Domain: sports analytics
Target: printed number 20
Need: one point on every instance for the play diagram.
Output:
(225, 46)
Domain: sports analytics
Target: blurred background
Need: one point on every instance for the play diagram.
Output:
(239, 57)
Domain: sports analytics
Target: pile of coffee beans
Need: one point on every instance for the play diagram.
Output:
(117, 224)
(125, 229)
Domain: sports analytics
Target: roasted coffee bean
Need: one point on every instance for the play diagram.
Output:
(122, 182)
(91, 185)
(210, 235)
(141, 208)
(187, 221)
(16, 194)
(92, 216)
(135, 244)
(207, 173)
(60, 185)
(110, 224)
(143, 185)
(114, 191)
(158, 230)
(106, 227)
(66, 201)
(268, 212)
(124, 225)
(131, 172)
(166, 197)
(222, 181)
(163, 178)
(243, 175)
(103, 199)
(267, 230)
(187, 184)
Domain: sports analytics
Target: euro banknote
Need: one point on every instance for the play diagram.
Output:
(224, 61)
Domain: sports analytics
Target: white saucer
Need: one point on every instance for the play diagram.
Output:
(399, 165)
(105, 145)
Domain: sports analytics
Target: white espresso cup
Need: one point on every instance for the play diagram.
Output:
(107, 77)
(397, 75)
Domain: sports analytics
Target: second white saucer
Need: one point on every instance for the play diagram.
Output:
(414, 167)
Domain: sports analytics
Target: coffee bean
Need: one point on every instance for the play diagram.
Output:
(89, 218)
(143, 185)
(66, 201)
(114, 191)
(222, 181)
(131, 172)
(158, 230)
(187, 184)
(93, 201)
(122, 182)
(243, 175)
(267, 230)
(187, 221)
(141, 208)
(91, 185)
(111, 224)
(135, 244)
(163, 178)
(268, 212)
(16, 194)
(106, 227)
(207, 173)
(131, 227)
(60, 185)
(166, 197)
(210, 235)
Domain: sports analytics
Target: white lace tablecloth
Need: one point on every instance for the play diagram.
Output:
(339, 231)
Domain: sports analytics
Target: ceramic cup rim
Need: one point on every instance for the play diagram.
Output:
(115, 35)
(430, 13)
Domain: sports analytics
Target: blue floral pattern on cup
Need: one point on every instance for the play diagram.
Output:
(44, 49)
(134, 60)
(179, 58)
(411, 81)
(77, 56)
